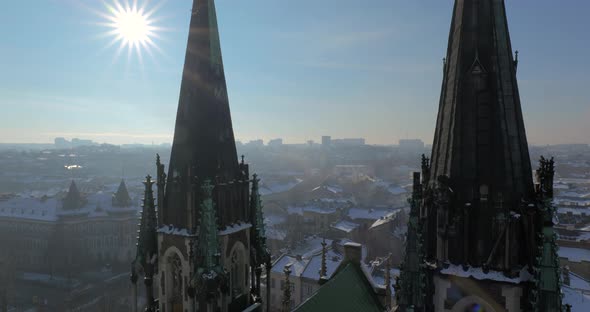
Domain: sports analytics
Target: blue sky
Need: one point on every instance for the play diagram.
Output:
(295, 70)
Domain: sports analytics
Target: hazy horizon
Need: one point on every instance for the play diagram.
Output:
(295, 70)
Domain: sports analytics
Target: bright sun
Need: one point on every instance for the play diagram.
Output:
(131, 26)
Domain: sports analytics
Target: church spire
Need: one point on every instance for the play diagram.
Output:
(480, 166)
(147, 244)
(203, 145)
(480, 140)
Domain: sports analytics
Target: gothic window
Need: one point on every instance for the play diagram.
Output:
(175, 269)
(237, 272)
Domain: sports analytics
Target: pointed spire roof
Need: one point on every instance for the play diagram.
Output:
(73, 199)
(147, 243)
(480, 137)
(121, 198)
(203, 142)
(258, 228)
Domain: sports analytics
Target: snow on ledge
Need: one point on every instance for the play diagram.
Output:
(235, 228)
(172, 230)
(478, 273)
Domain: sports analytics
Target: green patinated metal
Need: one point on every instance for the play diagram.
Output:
(208, 243)
(348, 290)
(546, 296)
(411, 284)
(209, 276)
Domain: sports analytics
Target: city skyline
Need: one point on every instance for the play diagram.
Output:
(294, 71)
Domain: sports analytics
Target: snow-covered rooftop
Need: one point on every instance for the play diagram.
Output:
(387, 218)
(367, 214)
(29, 208)
(574, 254)
(580, 302)
(310, 208)
(579, 282)
(333, 260)
(297, 265)
(271, 187)
(345, 226)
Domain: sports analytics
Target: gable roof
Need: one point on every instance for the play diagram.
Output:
(348, 290)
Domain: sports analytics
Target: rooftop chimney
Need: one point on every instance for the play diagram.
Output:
(353, 252)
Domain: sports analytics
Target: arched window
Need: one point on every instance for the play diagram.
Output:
(237, 272)
(175, 269)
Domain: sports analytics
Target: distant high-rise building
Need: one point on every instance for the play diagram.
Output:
(62, 143)
(255, 143)
(206, 248)
(348, 142)
(326, 141)
(480, 234)
(80, 142)
(275, 142)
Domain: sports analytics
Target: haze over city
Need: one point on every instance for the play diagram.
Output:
(294, 69)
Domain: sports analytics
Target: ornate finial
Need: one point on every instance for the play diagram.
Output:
(157, 159)
(287, 289)
(323, 268)
(242, 159)
(515, 59)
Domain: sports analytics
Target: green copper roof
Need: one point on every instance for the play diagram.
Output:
(208, 244)
(348, 290)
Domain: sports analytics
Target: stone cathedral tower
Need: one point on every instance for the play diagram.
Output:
(210, 245)
(480, 236)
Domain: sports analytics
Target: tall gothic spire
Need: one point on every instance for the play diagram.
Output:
(480, 141)
(203, 145)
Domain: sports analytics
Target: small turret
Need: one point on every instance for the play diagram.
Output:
(121, 198)
(147, 244)
(73, 199)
